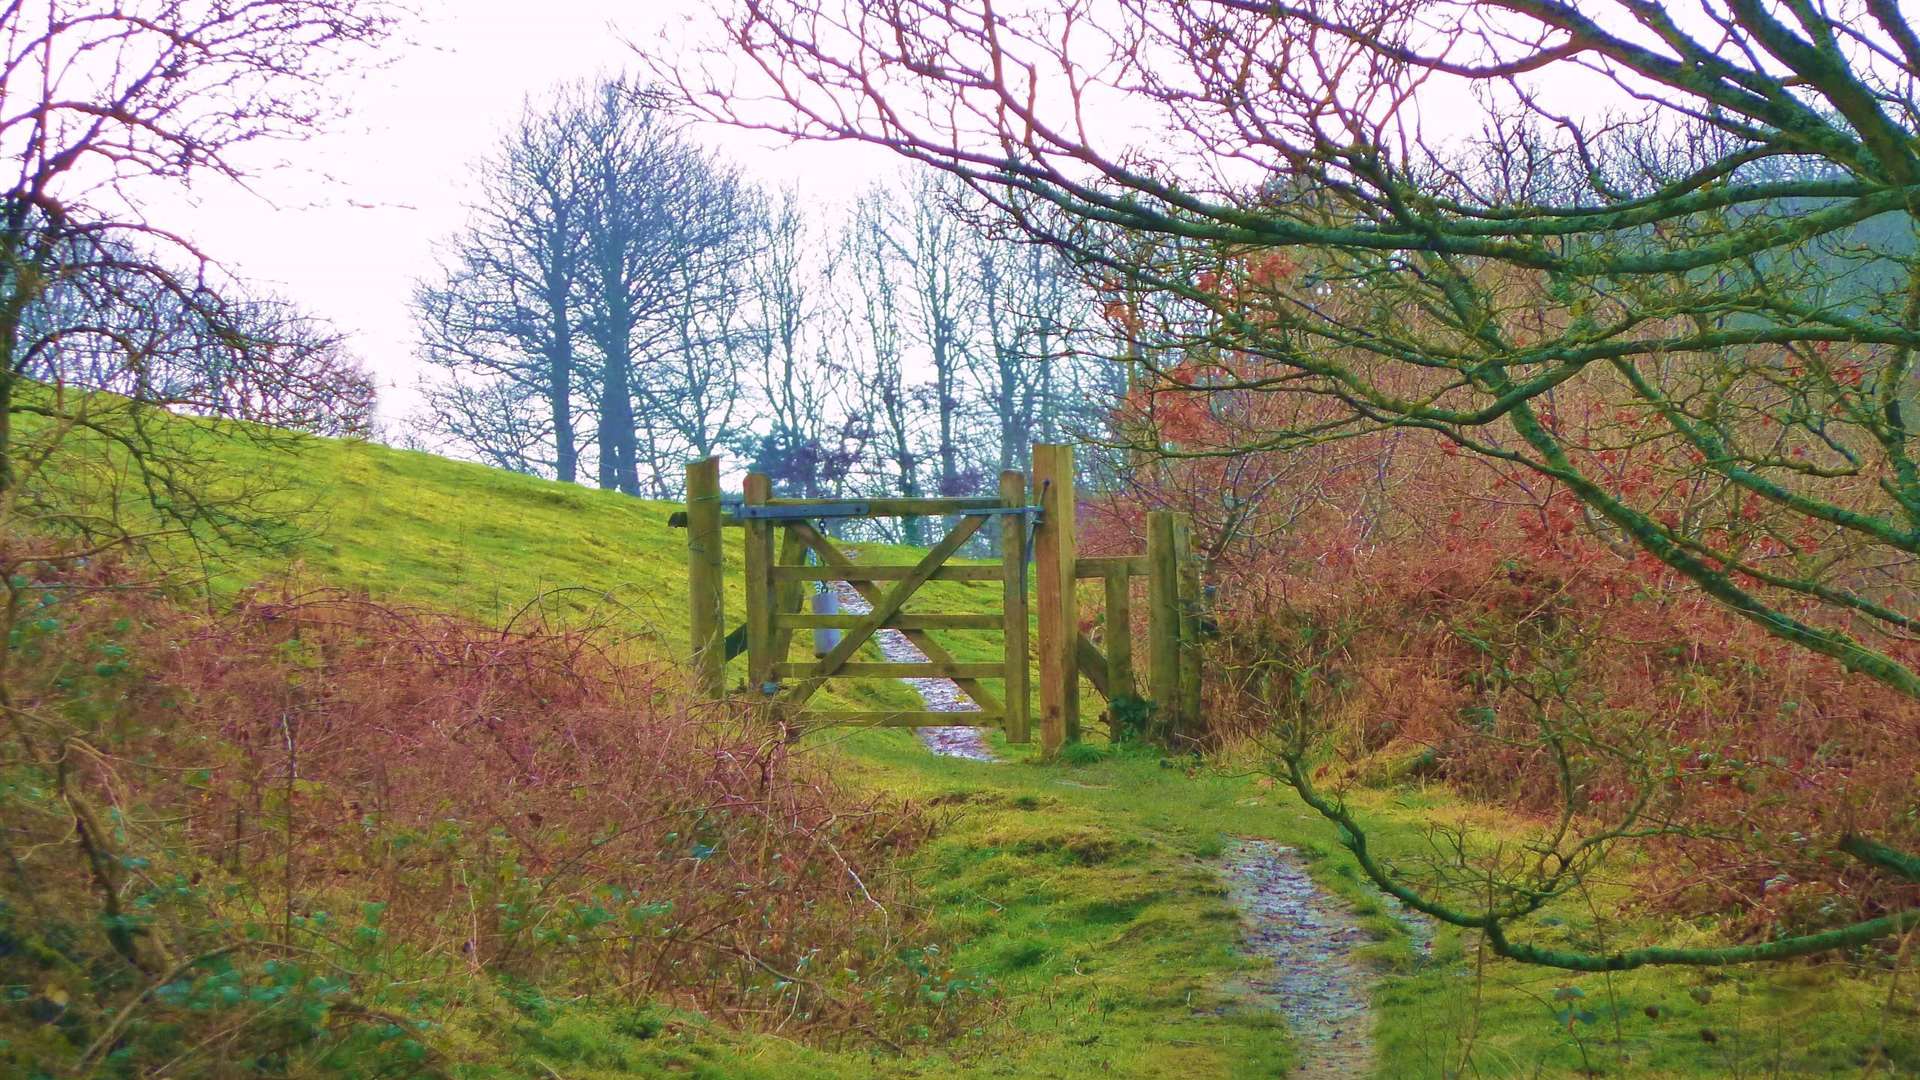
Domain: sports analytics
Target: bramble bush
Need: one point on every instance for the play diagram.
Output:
(314, 834)
(1430, 614)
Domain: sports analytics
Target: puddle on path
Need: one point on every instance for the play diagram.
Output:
(941, 695)
(1316, 982)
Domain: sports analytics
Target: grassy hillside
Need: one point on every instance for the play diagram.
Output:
(1079, 901)
(416, 528)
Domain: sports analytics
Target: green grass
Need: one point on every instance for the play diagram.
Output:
(415, 528)
(1079, 899)
(1167, 964)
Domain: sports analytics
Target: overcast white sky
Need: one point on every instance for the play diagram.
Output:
(349, 223)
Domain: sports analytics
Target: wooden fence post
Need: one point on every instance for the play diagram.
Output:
(1054, 553)
(1163, 619)
(1013, 577)
(704, 593)
(1119, 638)
(760, 592)
(1189, 580)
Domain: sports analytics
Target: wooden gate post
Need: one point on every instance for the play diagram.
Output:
(1163, 620)
(704, 594)
(1119, 636)
(1189, 581)
(760, 590)
(1013, 578)
(1054, 553)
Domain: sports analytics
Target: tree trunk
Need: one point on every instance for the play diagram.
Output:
(618, 469)
(566, 455)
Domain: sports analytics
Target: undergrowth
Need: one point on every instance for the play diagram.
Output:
(1757, 758)
(314, 834)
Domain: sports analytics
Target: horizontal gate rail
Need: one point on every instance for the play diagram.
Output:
(899, 507)
(893, 669)
(898, 622)
(737, 514)
(768, 512)
(883, 573)
(1108, 566)
(906, 719)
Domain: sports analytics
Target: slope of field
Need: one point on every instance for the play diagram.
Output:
(1089, 929)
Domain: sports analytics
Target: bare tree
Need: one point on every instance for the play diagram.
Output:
(597, 275)
(107, 104)
(695, 387)
(662, 245)
(492, 419)
(216, 353)
(935, 249)
(1042, 373)
(507, 305)
(887, 409)
(808, 444)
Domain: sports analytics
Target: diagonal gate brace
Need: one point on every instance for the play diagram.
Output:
(888, 606)
(833, 556)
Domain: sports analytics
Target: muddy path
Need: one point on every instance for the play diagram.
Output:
(1317, 981)
(1311, 937)
(940, 695)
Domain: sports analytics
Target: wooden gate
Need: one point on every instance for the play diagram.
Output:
(787, 548)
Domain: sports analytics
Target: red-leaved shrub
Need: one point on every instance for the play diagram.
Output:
(1425, 599)
(538, 805)
(393, 796)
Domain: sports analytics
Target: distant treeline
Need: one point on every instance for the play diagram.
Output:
(622, 299)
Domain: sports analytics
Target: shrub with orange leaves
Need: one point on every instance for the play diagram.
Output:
(1419, 595)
